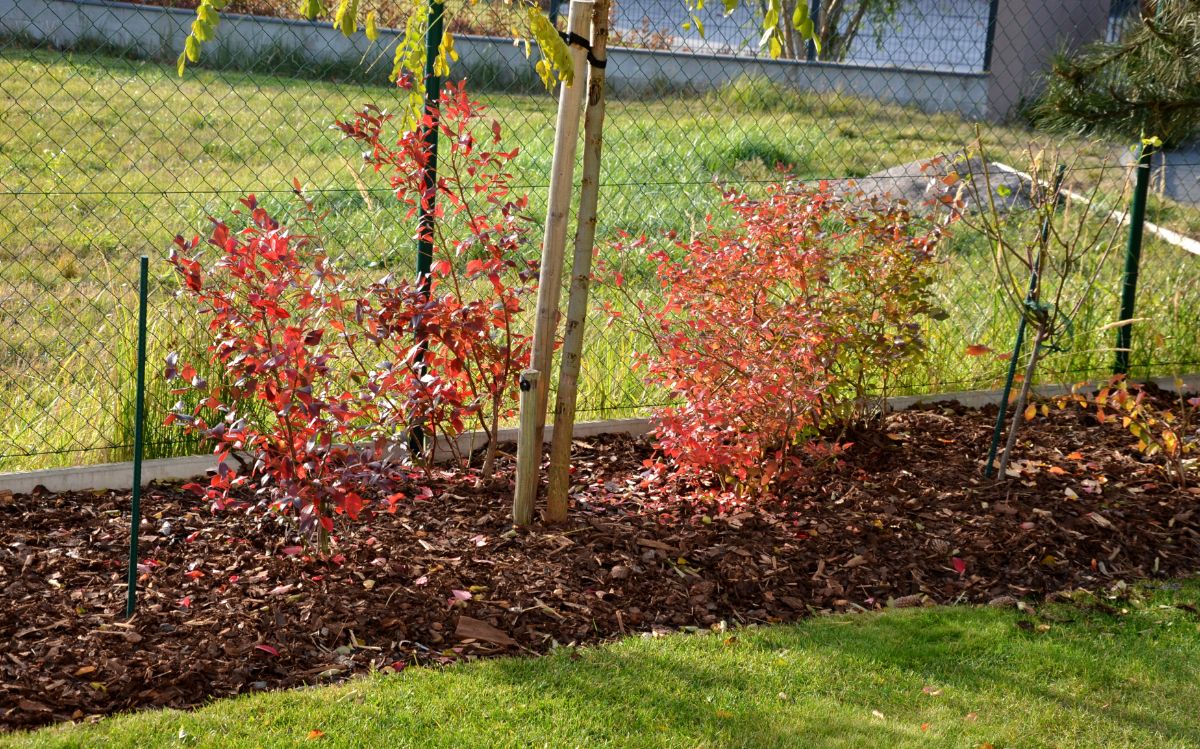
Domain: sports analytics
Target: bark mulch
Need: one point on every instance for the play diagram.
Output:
(232, 602)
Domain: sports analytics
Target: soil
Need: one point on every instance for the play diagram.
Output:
(232, 602)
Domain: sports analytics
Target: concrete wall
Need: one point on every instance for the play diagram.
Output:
(151, 32)
(1028, 33)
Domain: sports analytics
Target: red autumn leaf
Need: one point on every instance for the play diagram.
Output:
(269, 650)
(959, 565)
(977, 349)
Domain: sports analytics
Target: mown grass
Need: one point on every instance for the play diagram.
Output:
(103, 158)
(941, 677)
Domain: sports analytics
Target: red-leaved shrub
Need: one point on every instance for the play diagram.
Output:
(271, 301)
(795, 320)
(467, 374)
(323, 373)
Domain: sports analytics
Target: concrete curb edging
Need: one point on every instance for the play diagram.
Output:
(119, 476)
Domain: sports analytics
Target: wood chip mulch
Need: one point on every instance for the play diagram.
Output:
(232, 602)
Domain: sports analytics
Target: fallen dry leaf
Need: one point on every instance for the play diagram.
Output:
(470, 628)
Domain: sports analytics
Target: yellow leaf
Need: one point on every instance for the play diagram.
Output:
(372, 30)
(1170, 442)
(1030, 412)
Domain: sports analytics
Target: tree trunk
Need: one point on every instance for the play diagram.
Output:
(1022, 397)
(489, 459)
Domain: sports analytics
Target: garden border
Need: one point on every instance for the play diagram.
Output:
(119, 476)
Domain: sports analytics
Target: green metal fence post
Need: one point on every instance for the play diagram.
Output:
(1133, 258)
(988, 469)
(814, 12)
(425, 217)
(135, 511)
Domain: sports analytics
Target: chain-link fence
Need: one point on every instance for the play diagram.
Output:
(106, 154)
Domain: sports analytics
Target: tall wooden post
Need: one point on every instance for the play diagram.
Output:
(562, 171)
(581, 271)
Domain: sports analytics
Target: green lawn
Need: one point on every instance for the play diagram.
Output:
(1069, 676)
(103, 159)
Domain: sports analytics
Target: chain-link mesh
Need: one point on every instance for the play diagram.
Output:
(106, 154)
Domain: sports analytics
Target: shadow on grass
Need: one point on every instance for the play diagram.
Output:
(852, 677)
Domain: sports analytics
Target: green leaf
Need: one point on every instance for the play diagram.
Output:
(346, 18)
(310, 9)
(556, 56)
(800, 15)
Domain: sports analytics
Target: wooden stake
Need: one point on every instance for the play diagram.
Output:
(581, 270)
(529, 453)
(562, 172)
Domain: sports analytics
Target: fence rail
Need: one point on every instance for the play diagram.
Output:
(106, 154)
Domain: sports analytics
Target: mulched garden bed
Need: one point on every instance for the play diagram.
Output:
(230, 603)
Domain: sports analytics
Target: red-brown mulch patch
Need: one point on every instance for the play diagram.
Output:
(229, 602)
